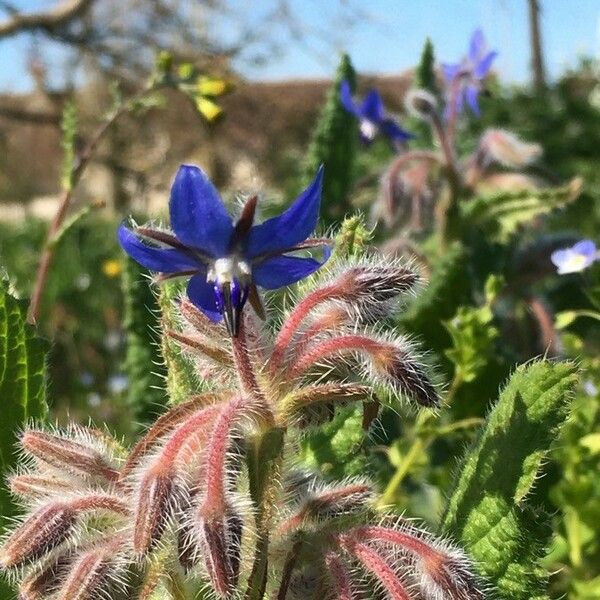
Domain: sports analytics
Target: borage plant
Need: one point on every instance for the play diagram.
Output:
(210, 502)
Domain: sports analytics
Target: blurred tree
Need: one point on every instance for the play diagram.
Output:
(425, 73)
(334, 145)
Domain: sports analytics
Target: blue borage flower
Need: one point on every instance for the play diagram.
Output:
(226, 261)
(464, 79)
(576, 258)
(372, 116)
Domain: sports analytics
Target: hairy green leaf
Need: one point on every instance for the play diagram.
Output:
(502, 213)
(22, 388)
(488, 510)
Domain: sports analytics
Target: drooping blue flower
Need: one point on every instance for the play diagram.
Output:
(372, 117)
(576, 258)
(227, 260)
(464, 80)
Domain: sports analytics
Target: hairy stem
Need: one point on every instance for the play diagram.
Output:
(264, 457)
(79, 167)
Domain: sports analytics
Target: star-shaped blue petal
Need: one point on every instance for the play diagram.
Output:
(372, 117)
(223, 259)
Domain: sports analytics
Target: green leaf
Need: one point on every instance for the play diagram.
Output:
(474, 335)
(488, 510)
(144, 366)
(181, 380)
(502, 213)
(22, 389)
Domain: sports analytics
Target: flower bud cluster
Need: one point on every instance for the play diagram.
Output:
(202, 498)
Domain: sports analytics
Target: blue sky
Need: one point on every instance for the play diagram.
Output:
(390, 37)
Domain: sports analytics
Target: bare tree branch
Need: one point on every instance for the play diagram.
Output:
(30, 116)
(60, 15)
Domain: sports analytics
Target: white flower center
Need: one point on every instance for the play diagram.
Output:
(368, 129)
(225, 270)
(574, 263)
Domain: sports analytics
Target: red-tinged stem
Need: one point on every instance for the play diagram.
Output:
(295, 319)
(377, 565)
(163, 425)
(399, 164)
(399, 538)
(452, 120)
(545, 321)
(100, 502)
(49, 248)
(216, 454)
(341, 344)
(340, 576)
(247, 374)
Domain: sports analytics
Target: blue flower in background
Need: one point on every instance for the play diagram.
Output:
(465, 79)
(372, 117)
(226, 260)
(576, 258)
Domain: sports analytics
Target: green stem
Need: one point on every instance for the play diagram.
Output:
(424, 437)
(176, 586)
(263, 458)
(573, 531)
(393, 486)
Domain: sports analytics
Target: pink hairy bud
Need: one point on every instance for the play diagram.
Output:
(340, 576)
(377, 565)
(50, 525)
(92, 572)
(444, 570)
(42, 583)
(388, 360)
(67, 455)
(157, 494)
(153, 508)
(45, 529)
(329, 504)
(356, 285)
(219, 541)
(164, 425)
(37, 485)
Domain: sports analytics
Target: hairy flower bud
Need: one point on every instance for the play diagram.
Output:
(325, 504)
(377, 565)
(45, 529)
(67, 455)
(340, 576)
(40, 583)
(219, 543)
(421, 104)
(153, 508)
(33, 486)
(445, 571)
(93, 573)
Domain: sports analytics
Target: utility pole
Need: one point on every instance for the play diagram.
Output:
(537, 57)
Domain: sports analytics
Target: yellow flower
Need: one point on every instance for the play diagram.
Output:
(208, 109)
(212, 86)
(112, 268)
